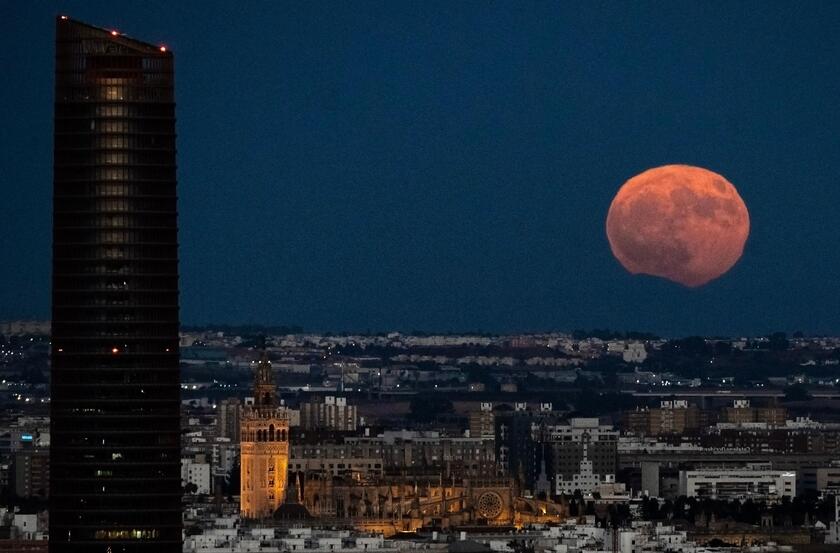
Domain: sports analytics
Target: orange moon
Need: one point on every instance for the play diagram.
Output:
(679, 222)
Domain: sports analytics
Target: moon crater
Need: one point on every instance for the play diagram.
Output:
(679, 222)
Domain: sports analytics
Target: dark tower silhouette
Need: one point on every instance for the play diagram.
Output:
(115, 451)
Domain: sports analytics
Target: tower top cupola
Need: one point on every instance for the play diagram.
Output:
(265, 393)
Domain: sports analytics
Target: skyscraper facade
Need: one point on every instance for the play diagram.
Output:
(115, 459)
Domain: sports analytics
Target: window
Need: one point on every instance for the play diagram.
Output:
(112, 92)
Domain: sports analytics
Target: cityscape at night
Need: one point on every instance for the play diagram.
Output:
(382, 277)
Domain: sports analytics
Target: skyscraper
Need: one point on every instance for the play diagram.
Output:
(264, 448)
(115, 460)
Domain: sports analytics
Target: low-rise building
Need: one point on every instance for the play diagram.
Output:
(755, 482)
(32, 473)
(197, 474)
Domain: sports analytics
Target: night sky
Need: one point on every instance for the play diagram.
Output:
(448, 165)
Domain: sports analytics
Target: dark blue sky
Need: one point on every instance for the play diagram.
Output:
(449, 165)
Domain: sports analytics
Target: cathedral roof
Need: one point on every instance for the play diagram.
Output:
(292, 511)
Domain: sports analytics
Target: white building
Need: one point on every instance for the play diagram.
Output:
(584, 453)
(634, 352)
(26, 526)
(585, 480)
(578, 429)
(756, 482)
(227, 540)
(196, 473)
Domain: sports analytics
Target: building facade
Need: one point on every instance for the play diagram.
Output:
(115, 482)
(751, 482)
(32, 473)
(583, 447)
(228, 419)
(395, 504)
(518, 438)
(197, 474)
(396, 452)
(264, 450)
(671, 417)
(483, 422)
(741, 412)
(333, 413)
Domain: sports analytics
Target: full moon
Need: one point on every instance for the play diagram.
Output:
(679, 222)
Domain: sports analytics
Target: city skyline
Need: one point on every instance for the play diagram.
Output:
(529, 356)
(366, 179)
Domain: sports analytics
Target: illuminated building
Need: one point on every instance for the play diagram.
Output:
(391, 504)
(264, 435)
(115, 472)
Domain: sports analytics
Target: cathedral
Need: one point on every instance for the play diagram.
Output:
(386, 503)
(406, 503)
(264, 440)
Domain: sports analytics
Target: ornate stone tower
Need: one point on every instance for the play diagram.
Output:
(264, 439)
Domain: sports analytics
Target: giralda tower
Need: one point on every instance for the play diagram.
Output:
(115, 460)
(264, 448)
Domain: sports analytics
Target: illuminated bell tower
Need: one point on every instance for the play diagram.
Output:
(264, 440)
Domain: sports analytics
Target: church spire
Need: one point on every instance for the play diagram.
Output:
(265, 393)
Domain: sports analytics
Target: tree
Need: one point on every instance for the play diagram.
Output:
(691, 345)
(650, 508)
(723, 348)
(666, 510)
(621, 515)
(518, 546)
(778, 341)
(33, 375)
(232, 482)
